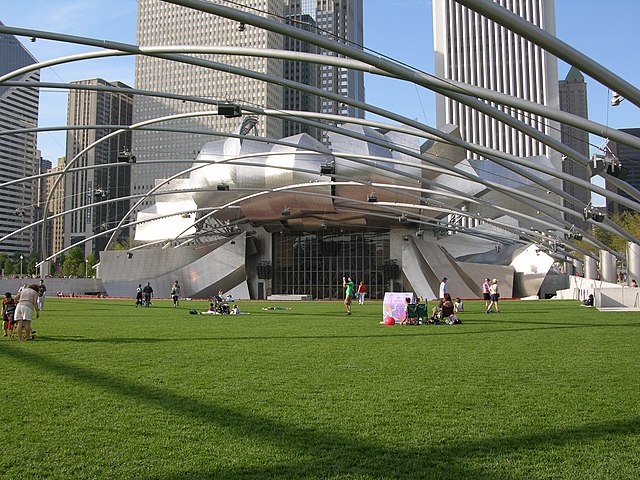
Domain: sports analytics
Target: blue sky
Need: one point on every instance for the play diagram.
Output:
(605, 31)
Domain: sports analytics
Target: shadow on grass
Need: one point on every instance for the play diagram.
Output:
(322, 454)
(554, 323)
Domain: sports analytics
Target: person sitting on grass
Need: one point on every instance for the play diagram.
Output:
(458, 306)
(436, 313)
(235, 310)
(588, 302)
(211, 310)
(447, 306)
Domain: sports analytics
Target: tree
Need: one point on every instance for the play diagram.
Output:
(56, 265)
(3, 259)
(73, 260)
(630, 221)
(126, 245)
(32, 260)
(10, 267)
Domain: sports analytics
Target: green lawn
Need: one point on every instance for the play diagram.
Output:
(545, 389)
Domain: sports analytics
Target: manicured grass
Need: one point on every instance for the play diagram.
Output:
(546, 389)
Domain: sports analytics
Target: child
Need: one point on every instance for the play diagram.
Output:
(405, 315)
(362, 292)
(7, 313)
(458, 306)
(235, 310)
(211, 311)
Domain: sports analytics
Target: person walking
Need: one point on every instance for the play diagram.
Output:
(147, 291)
(362, 292)
(175, 294)
(485, 293)
(349, 289)
(443, 288)
(27, 304)
(495, 296)
(42, 292)
(139, 295)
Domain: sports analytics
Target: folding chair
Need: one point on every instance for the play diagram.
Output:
(412, 314)
(422, 313)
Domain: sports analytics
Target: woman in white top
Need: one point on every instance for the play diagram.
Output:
(27, 303)
(495, 296)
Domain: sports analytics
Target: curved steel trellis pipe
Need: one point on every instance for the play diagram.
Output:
(553, 45)
(398, 70)
(429, 79)
(488, 184)
(517, 195)
(480, 105)
(610, 225)
(412, 76)
(433, 207)
(471, 147)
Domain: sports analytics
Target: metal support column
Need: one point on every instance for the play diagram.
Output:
(590, 267)
(633, 262)
(607, 267)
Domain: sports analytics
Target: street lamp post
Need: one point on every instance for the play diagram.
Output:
(86, 268)
(21, 258)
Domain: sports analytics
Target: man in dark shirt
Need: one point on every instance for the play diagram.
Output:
(148, 294)
(42, 292)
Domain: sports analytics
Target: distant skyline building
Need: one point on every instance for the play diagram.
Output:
(18, 153)
(573, 99)
(302, 72)
(44, 166)
(630, 160)
(112, 180)
(341, 20)
(55, 224)
(472, 49)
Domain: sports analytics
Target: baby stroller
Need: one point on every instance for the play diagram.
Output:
(221, 306)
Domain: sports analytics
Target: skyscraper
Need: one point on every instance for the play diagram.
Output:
(573, 99)
(44, 166)
(341, 20)
(630, 160)
(160, 23)
(302, 72)
(470, 48)
(18, 154)
(55, 226)
(86, 187)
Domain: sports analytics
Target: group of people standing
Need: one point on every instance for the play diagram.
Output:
(491, 295)
(18, 312)
(145, 294)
